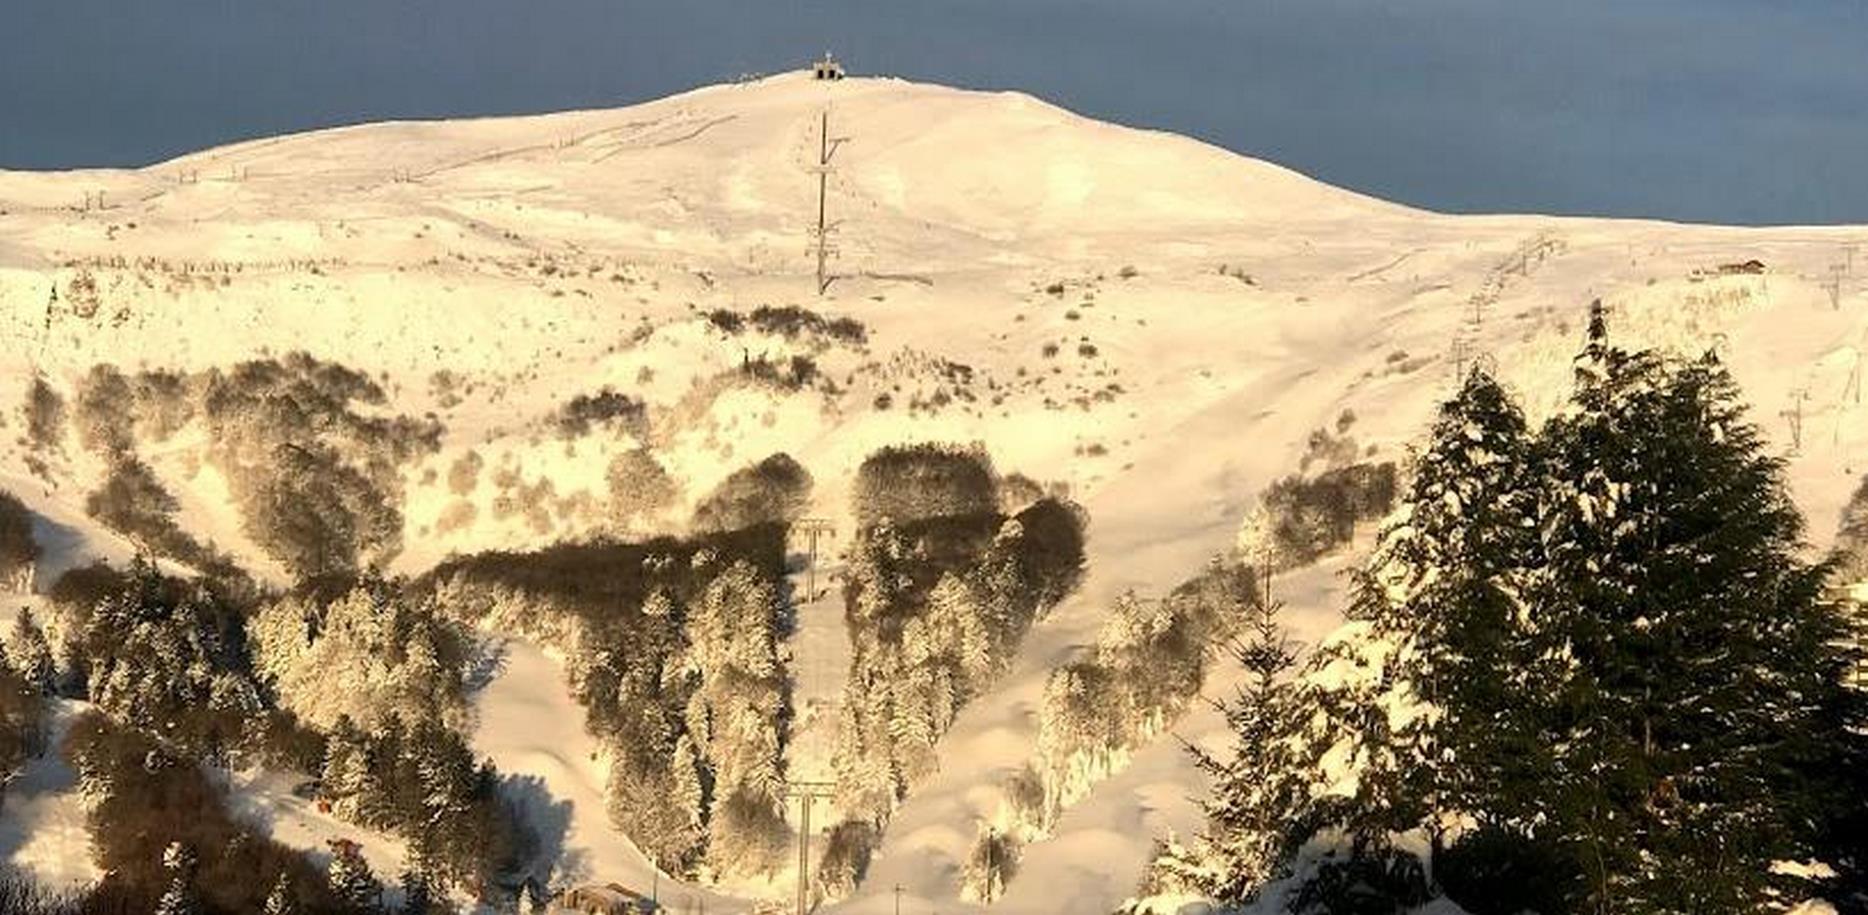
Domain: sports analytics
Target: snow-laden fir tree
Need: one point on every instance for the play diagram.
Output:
(736, 716)
(1441, 595)
(1691, 665)
(280, 900)
(353, 884)
(29, 654)
(1250, 813)
(1597, 644)
(179, 863)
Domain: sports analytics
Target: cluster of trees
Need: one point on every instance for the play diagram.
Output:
(773, 491)
(1152, 656)
(420, 780)
(170, 656)
(940, 589)
(25, 681)
(372, 653)
(674, 648)
(133, 502)
(1149, 663)
(143, 798)
(313, 466)
(18, 550)
(193, 674)
(1586, 667)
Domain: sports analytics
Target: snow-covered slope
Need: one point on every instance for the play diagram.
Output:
(1155, 322)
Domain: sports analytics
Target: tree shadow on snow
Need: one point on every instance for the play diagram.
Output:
(546, 821)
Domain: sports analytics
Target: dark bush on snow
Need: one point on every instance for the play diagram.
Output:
(911, 482)
(1371, 882)
(18, 549)
(154, 798)
(605, 407)
(1312, 516)
(791, 322)
(45, 415)
(1496, 871)
(773, 491)
(1052, 554)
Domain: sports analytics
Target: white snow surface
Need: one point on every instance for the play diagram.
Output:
(536, 258)
(42, 824)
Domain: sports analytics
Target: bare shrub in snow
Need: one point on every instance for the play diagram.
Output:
(464, 473)
(607, 407)
(639, 488)
(44, 413)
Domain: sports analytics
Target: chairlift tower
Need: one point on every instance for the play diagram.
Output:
(805, 793)
(820, 236)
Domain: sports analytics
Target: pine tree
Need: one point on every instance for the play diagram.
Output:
(28, 653)
(1256, 797)
(1442, 590)
(178, 860)
(281, 900)
(417, 892)
(1688, 650)
(351, 881)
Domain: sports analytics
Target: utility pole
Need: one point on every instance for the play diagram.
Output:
(806, 792)
(814, 528)
(1836, 272)
(898, 899)
(1795, 416)
(826, 147)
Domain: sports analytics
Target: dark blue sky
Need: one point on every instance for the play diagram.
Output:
(1717, 110)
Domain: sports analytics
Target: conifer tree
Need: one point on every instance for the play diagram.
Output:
(1256, 796)
(1442, 590)
(354, 885)
(178, 860)
(281, 900)
(1689, 634)
(28, 653)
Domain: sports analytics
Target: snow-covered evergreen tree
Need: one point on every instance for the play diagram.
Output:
(736, 716)
(181, 898)
(281, 900)
(1257, 792)
(353, 884)
(1691, 659)
(29, 654)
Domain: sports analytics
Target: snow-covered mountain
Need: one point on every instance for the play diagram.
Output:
(1155, 323)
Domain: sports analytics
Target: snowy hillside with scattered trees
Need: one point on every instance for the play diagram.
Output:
(496, 514)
